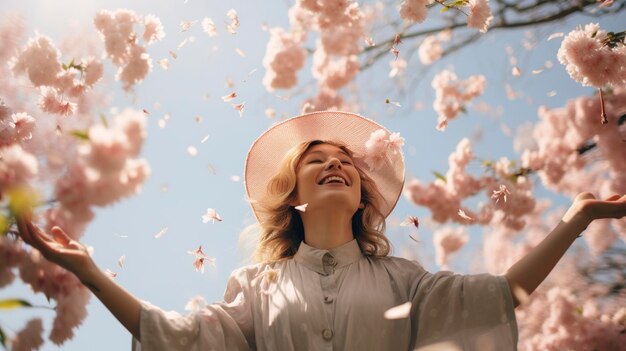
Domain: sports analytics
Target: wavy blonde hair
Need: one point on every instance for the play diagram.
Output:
(281, 229)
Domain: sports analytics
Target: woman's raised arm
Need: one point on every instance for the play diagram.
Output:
(73, 256)
(527, 273)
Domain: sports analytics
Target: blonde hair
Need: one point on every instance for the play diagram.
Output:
(281, 229)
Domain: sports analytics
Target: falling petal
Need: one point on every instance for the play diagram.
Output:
(164, 188)
(399, 312)
(146, 111)
(235, 178)
(465, 216)
(110, 273)
(209, 27)
(121, 260)
(211, 215)
(191, 150)
(161, 123)
(211, 169)
(195, 304)
(501, 193)
(198, 119)
(186, 25)
(182, 43)
(516, 71)
(239, 107)
(198, 262)
(164, 63)
(537, 71)
(160, 233)
(301, 208)
(369, 41)
(555, 35)
(413, 238)
(270, 112)
(410, 221)
(204, 139)
(174, 55)
(229, 97)
(239, 52)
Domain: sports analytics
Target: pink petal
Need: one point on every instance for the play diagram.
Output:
(399, 312)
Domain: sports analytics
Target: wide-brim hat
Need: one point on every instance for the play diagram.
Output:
(266, 153)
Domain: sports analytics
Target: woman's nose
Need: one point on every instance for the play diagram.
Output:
(333, 163)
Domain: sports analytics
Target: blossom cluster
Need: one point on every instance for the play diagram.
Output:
(590, 61)
(122, 43)
(49, 142)
(452, 94)
(479, 15)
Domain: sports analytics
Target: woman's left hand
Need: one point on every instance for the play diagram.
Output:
(586, 208)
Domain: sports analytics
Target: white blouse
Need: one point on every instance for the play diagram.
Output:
(336, 300)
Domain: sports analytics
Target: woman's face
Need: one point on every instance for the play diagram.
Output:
(326, 176)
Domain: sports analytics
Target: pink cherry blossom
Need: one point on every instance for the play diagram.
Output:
(447, 241)
(11, 255)
(479, 15)
(116, 29)
(39, 59)
(397, 67)
(452, 95)
(376, 147)
(16, 128)
(29, 338)
(17, 166)
(136, 68)
(430, 50)
(153, 29)
(71, 311)
(284, 56)
(589, 61)
(414, 10)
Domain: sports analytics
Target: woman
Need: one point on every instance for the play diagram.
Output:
(324, 280)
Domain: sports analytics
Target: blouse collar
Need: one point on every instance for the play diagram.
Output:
(326, 261)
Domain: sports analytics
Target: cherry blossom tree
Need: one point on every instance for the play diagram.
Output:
(58, 156)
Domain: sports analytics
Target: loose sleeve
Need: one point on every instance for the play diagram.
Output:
(464, 312)
(225, 325)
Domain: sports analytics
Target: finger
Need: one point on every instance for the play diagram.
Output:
(60, 236)
(584, 196)
(613, 197)
(23, 231)
(39, 237)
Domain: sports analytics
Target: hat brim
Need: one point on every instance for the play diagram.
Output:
(266, 153)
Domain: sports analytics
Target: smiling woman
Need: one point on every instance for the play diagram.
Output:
(325, 280)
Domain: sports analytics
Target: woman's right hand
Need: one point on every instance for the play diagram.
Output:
(58, 247)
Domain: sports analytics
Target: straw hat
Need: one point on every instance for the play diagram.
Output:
(382, 161)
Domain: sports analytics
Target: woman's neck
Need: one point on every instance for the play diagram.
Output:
(326, 229)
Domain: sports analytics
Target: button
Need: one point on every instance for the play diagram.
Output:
(328, 299)
(329, 260)
(327, 334)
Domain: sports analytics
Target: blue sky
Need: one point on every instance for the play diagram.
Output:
(160, 270)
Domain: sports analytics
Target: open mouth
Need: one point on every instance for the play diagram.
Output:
(333, 179)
